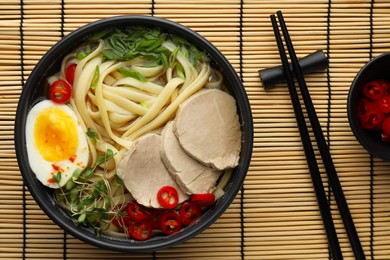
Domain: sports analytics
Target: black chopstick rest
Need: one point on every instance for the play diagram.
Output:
(310, 63)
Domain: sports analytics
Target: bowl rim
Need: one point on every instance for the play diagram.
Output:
(41, 195)
(357, 130)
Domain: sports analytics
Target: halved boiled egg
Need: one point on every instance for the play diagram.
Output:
(55, 142)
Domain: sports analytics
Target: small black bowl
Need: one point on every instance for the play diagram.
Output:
(34, 88)
(376, 69)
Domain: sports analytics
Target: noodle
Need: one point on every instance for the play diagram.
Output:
(128, 93)
(168, 113)
(81, 88)
(148, 87)
(125, 103)
(157, 106)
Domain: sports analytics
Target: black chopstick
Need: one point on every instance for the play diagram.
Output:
(309, 152)
(322, 146)
(310, 156)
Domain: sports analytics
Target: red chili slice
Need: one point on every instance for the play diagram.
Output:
(136, 213)
(155, 219)
(386, 130)
(189, 213)
(168, 197)
(369, 114)
(373, 90)
(205, 199)
(170, 222)
(60, 91)
(121, 221)
(384, 103)
(69, 73)
(140, 230)
(120, 218)
(385, 85)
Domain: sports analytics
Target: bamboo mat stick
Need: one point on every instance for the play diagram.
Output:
(277, 221)
(264, 172)
(11, 89)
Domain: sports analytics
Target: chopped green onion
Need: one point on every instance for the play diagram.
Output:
(180, 70)
(99, 35)
(117, 43)
(146, 43)
(185, 52)
(111, 54)
(143, 103)
(81, 55)
(95, 78)
(132, 74)
(157, 43)
(164, 60)
(172, 58)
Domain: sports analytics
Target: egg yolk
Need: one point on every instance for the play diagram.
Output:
(55, 134)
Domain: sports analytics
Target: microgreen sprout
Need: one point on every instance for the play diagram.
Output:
(57, 177)
(92, 135)
(87, 195)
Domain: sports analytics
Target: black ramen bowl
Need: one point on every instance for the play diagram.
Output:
(50, 64)
(376, 69)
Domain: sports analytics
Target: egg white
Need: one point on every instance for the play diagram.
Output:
(42, 168)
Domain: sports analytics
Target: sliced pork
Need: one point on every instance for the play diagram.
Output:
(144, 173)
(208, 128)
(192, 176)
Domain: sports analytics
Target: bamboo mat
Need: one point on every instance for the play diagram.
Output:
(275, 216)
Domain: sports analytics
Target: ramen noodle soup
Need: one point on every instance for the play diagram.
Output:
(112, 91)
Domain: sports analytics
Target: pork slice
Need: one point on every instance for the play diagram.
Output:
(208, 128)
(144, 173)
(192, 176)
